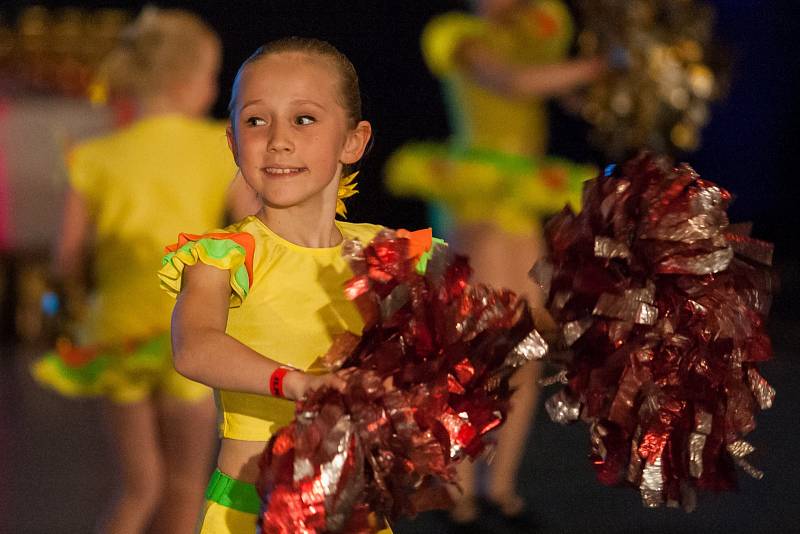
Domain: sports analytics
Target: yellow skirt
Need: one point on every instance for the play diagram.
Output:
(477, 185)
(123, 374)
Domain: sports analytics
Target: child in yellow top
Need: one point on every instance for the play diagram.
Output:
(131, 191)
(268, 290)
(493, 178)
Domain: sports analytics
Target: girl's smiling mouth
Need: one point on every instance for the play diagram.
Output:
(283, 171)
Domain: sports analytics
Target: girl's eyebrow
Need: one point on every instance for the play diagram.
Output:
(250, 103)
(295, 101)
(307, 101)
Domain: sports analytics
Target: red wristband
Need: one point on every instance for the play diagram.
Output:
(276, 381)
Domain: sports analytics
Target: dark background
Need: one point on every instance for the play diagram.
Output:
(749, 147)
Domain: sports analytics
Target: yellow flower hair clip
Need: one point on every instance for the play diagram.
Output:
(347, 188)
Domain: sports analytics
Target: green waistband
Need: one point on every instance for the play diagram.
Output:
(233, 493)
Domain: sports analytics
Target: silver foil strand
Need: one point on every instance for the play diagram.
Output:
(573, 330)
(762, 391)
(738, 450)
(562, 409)
(626, 308)
(710, 263)
(331, 473)
(533, 347)
(596, 434)
(652, 485)
(560, 300)
(606, 247)
(558, 378)
(634, 475)
(697, 442)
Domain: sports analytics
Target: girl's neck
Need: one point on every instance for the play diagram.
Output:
(304, 226)
(155, 106)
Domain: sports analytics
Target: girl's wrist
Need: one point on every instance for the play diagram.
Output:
(295, 384)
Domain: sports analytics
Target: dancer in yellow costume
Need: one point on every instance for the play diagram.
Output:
(268, 291)
(492, 181)
(131, 191)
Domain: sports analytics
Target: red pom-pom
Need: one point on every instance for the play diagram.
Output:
(430, 381)
(662, 304)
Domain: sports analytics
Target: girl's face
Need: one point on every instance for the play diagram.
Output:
(289, 132)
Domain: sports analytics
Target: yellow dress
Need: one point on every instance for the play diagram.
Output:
(142, 185)
(493, 168)
(287, 303)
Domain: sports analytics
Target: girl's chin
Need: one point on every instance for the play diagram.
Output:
(296, 203)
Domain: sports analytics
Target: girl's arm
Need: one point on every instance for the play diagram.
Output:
(242, 199)
(486, 68)
(69, 259)
(75, 226)
(203, 352)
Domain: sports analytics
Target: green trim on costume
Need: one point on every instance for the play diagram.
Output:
(232, 493)
(115, 366)
(224, 254)
(422, 262)
(85, 374)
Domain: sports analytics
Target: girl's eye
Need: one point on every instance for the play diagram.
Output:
(305, 120)
(255, 121)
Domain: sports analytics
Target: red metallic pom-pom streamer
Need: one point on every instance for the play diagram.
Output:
(430, 380)
(662, 304)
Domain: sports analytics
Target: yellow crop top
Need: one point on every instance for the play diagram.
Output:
(287, 303)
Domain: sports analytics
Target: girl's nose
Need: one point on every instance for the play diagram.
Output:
(280, 140)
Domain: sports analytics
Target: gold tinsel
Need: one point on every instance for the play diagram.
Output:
(664, 73)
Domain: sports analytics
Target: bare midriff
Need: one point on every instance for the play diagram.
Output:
(239, 459)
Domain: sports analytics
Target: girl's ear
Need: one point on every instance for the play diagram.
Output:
(356, 143)
(232, 142)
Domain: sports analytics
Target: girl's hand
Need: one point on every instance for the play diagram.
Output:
(297, 384)
(595, 66)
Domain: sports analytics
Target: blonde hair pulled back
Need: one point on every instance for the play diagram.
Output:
(159, 48)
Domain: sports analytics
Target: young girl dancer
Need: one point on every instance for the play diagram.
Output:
(259, 302)
(492, 182)
(131, 191)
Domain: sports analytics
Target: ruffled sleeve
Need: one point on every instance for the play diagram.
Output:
(421, 245)
(444, 35)
(228, 251)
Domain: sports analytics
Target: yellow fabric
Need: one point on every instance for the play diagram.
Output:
(489, 123)
(218, 519)
(443, 36)
(293, 310)
(510, 192)
(123, 376)
(143, 185)
(483, 118)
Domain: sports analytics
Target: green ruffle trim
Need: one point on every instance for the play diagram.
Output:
(483, 185)
(225, 254)
(422, 262)
(109, 373)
